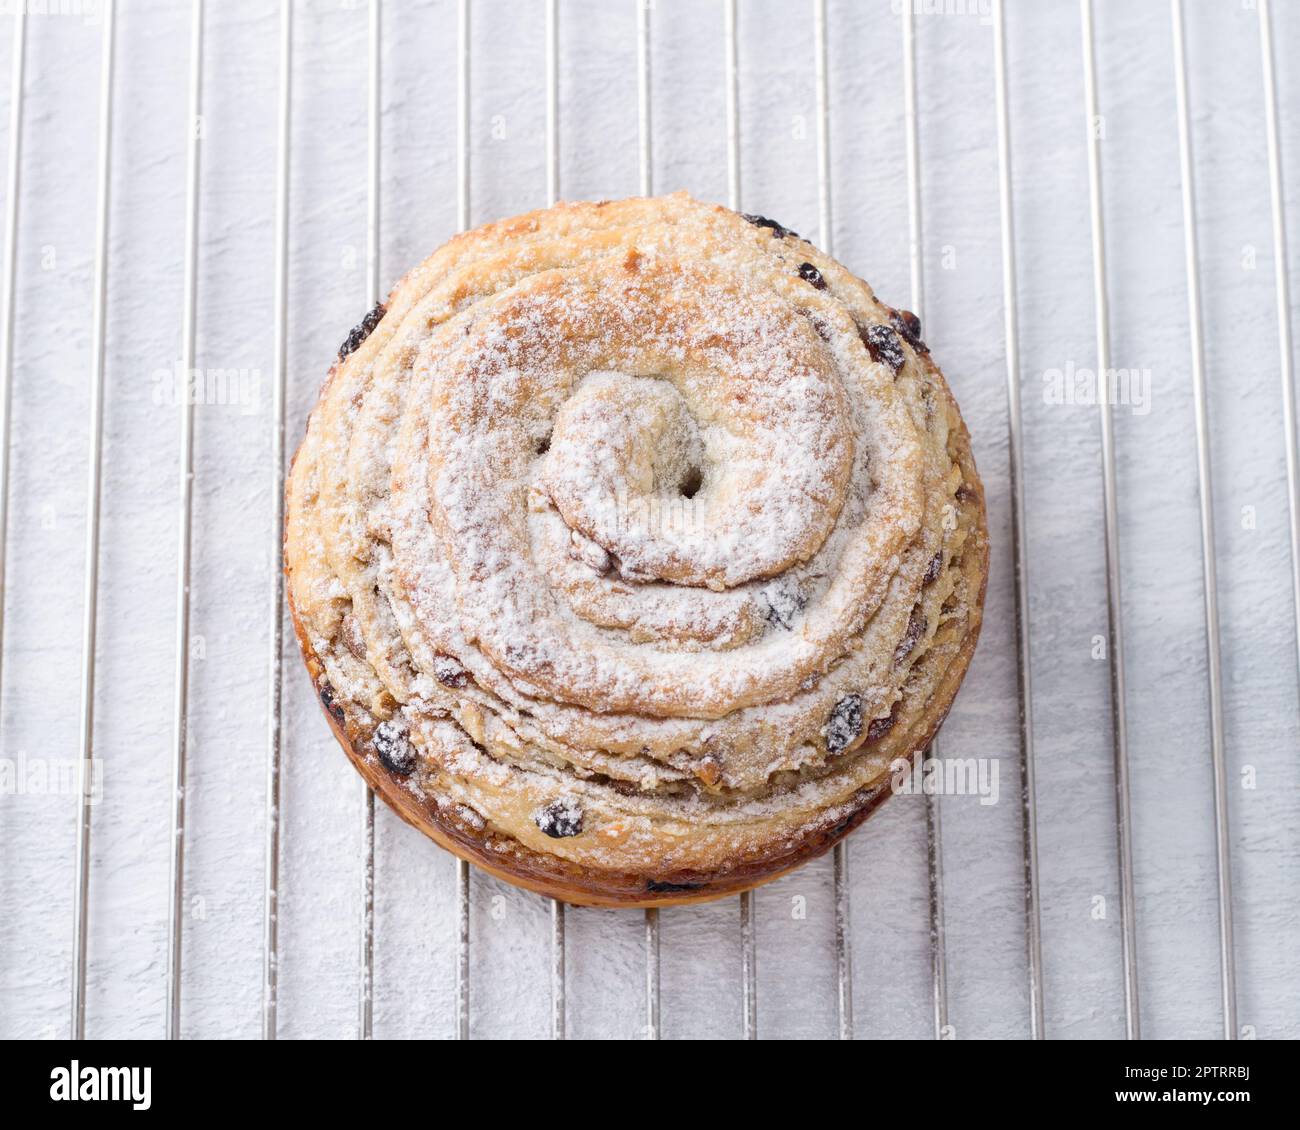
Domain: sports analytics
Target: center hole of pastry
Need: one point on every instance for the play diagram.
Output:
(696, 477)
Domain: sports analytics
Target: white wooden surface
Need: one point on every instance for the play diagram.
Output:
(235, 546)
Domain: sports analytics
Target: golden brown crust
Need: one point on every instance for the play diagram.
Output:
(370, 618)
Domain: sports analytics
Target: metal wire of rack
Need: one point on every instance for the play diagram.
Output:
(746, 917)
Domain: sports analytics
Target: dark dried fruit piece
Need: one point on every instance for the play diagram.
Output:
(916, 626)
(820, 325)
(883, 345)
(448, 672)
(811, 274)
(560, 819)
(933, 570)
(844, 724)
(778, 230)
(909, 325)
(362, 330)
(397, 754)
(877, 728)
(784, 602)
(327, 700)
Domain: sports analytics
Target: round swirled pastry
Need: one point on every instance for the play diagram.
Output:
(629, 544)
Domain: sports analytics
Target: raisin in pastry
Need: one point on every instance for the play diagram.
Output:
(629, 543)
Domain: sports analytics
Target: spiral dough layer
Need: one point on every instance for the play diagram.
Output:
(629, 544)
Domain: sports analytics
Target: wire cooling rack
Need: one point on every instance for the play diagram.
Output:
(726, 940)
